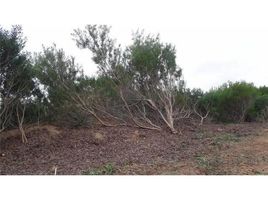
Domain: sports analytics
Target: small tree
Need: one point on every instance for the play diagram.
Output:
(58, 76)
(156, 75)
(17, 86)
(71, 96)
(145, 74)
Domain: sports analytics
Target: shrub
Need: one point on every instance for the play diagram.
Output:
(261, 103)
(259, 112)
(263, 90)
(231, 102)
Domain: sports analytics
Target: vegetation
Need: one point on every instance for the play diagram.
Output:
(145, 74)
(237, 102)
(107, 169)
(140, 85)
(17, 84)
(231, 102)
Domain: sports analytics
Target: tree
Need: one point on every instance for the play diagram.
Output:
(70, 95)
(146, 74)
(156, 75)
(53, 68)
(58, 76)
(17, 86)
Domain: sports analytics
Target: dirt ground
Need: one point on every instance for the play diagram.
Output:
(211, 149)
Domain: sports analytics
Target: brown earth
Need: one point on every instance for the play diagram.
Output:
(210, 149)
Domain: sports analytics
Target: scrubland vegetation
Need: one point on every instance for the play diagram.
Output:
(137, 87)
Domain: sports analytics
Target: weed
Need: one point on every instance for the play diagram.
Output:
(209, 166)
(223, 138)
(202, 162)
(108, 169)
(256, 172)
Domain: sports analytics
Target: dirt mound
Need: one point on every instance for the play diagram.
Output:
(50, 129)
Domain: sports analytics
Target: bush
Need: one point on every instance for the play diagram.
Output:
(259, 112)
(261, 103)
(263, 90)
(231, 102)
(69, 115)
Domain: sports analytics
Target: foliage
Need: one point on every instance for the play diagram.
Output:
(153, 63)
(140, 83)
(58, 76)
(194, 95)
(231, 101)
(17, 85)
(102, 88)
(72, 97)
(263, 90)
(145, 63)
(259, 111)
(261, 102)
(145, 74)
(106, 54)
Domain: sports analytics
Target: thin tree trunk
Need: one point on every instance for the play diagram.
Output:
(20, 123)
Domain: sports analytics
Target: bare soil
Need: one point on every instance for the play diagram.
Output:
(209, 149)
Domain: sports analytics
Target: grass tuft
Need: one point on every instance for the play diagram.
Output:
(108, 169)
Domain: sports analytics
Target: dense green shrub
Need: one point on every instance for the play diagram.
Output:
(231, 102)
(59, 78)
(261, 102)
(263, 90)
(259, 112)
(190, 95)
